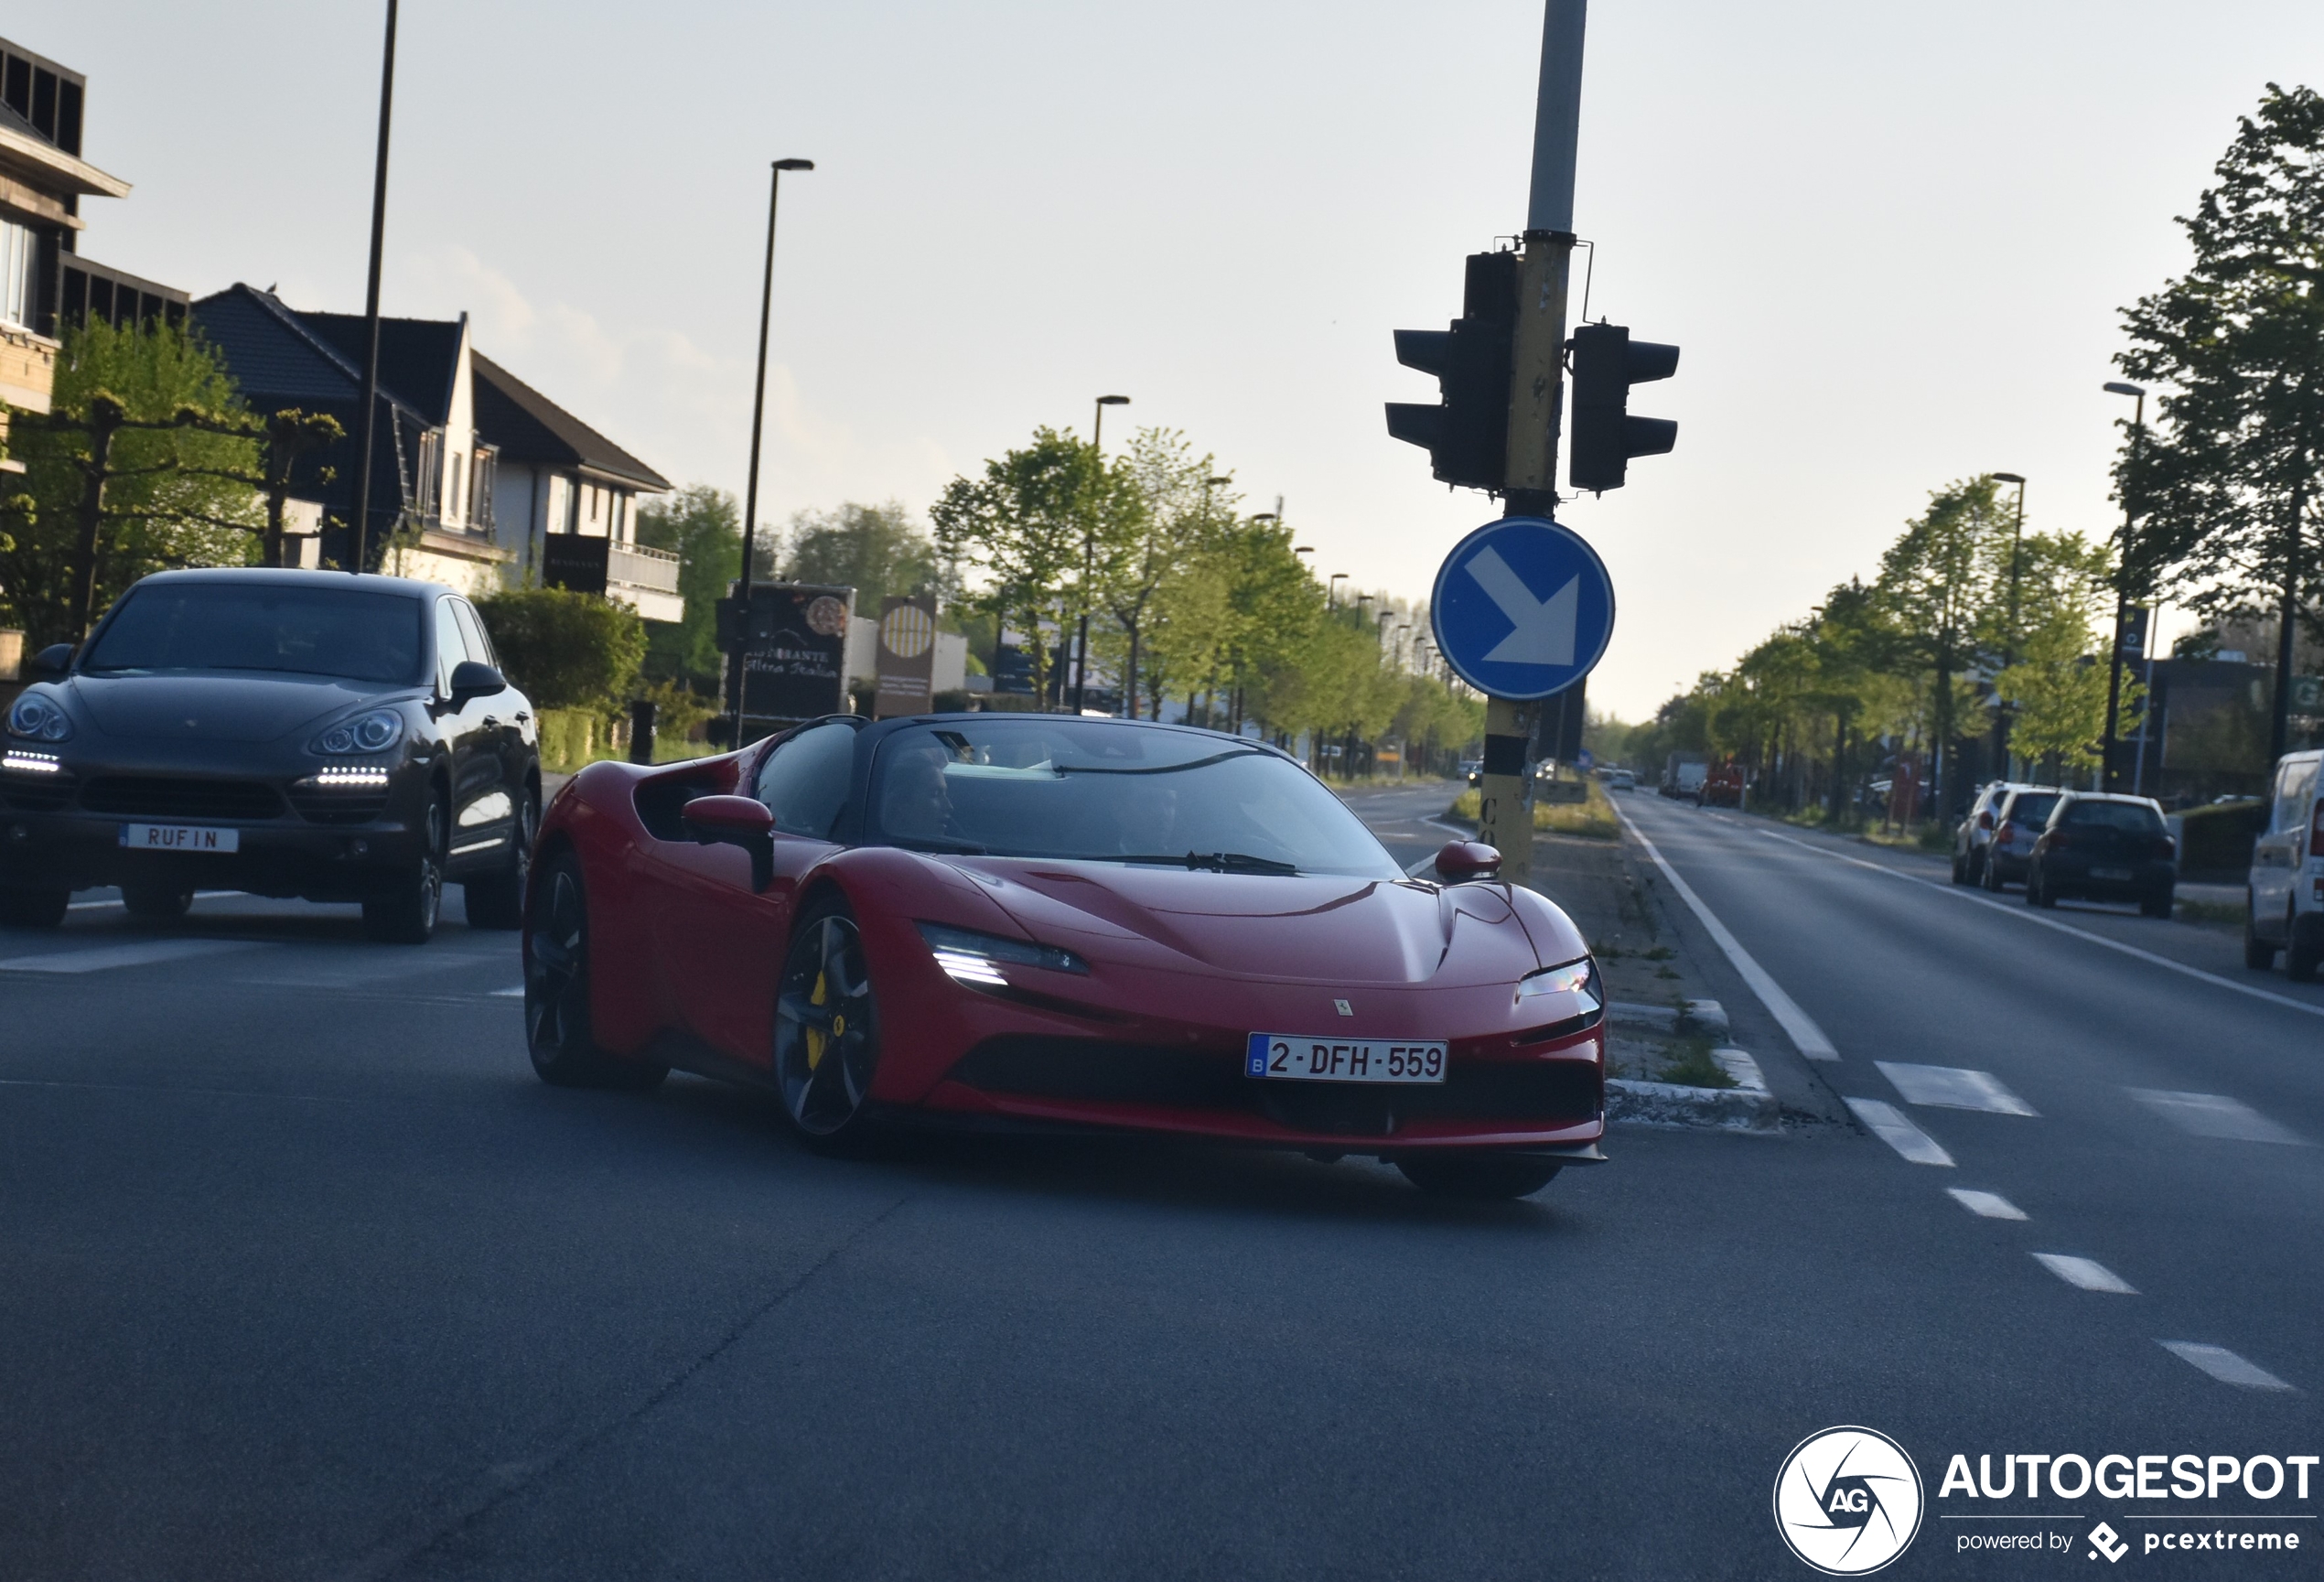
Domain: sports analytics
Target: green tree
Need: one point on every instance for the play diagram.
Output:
(1936, 588)
(2056, 694)
(566, 649)
(146, 461)
(877, 550)
(2226, 483)
(703, 526)
(1025, 524)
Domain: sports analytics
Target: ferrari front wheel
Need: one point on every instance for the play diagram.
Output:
(826, 1026)
(1494, 1176)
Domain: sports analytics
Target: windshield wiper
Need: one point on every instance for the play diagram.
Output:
(937, 844)
(1221, 862)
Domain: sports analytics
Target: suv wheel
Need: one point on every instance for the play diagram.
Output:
(496, 900)
(2258, 955)
(406, 914)
(2303, 948)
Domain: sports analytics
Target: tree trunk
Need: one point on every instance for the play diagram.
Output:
(2287, 621)
(105, 418)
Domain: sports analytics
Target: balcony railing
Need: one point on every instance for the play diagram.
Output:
(635, 565)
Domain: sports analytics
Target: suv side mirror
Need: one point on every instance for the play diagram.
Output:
(1460, 861)
(473, 678)
(733, 821)
(54, 660)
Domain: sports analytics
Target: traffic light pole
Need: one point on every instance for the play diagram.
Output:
(1505, 813)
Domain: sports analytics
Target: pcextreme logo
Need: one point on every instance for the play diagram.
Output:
(1848, 1500)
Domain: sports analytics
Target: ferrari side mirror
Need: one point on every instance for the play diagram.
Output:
(736, 822)
(1460, 861)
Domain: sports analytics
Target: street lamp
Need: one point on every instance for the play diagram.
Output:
(2110, 776)
(1303, 549)
(2009, 638)
(1331, 589)
(1089, 535)
(758, 426)
(372, 300)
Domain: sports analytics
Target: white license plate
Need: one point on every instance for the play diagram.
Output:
(179, 838)
(1303, 1060)
(2120, 876)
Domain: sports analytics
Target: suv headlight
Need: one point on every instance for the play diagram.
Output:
(971, 957)
(1577, 978)
(373, 732)
(38, 717)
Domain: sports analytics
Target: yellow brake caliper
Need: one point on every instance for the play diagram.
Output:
(815, 1035)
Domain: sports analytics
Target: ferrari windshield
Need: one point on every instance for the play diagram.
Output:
(302, 630)
(1112, 790)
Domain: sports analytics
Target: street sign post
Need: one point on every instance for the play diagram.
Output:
(1523, 609)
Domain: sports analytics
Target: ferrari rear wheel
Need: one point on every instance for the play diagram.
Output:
(556, 992)
(1488, 1176)
(827, 1027)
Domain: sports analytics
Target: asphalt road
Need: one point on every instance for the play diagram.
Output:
(304, 1276)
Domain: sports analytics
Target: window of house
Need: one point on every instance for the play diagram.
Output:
(18, 253)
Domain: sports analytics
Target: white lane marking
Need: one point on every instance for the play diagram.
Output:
(105, 958)
(1453, 830)
(1414, 871)
(2086, 1273)
(1953, 1088)
(516, 993)
(2215, 1115)
(1887, 1123)
(1986, 1205)
(2224, 1365)
(2027, 915)
(1783, 1007)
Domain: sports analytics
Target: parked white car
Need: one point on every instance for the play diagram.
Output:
(2287, 873)
(1622, 779)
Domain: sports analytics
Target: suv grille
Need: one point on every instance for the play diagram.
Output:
(335, 806)
(155, 796)
(1195, 1079)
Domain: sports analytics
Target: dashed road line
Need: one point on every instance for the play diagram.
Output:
(1953, 1088)
(106, 958)
(1887, 1123)
(1795, 1022)
(2215, 1115)
(2027, 915)
(2086, 1273)
(1985, 1205)
(2224, 1365)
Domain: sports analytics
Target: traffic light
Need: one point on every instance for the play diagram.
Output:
(1467, 434)
(1607, 363)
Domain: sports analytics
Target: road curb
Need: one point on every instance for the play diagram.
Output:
(1696, 1018)
(1746, 1107)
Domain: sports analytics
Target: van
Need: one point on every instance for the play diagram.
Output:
(2287, 873)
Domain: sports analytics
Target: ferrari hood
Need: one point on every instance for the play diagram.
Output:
(212, 707)
(1304, 928)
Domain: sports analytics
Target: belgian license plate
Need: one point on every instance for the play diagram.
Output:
(2119, 875)
(1306, 1059)
(179, 838)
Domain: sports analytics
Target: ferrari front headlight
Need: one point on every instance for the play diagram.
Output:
(972, 957)
(1577, 978)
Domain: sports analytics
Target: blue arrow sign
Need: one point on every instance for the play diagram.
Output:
(1523, 609)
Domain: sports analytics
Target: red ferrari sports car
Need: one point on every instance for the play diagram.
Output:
(1038, 922)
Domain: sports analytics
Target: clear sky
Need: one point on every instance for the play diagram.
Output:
(1892, 240)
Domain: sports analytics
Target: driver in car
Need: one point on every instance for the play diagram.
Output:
(914, 803)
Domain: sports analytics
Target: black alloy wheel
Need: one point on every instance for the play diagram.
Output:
(33, 908)
(1991, 880)
(1960, 869)
(557, 1033)
(158, 903)
(2037, 892)
(827, 1027)
(1489, 1177)
(496, 900)
(407, 913)
(2258, 955)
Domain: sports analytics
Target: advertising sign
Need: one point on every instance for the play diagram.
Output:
(795, 657)
(570, 560)
(905, 660)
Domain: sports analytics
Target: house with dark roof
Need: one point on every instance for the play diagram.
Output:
(556, 475)
(45, 283)
(472, 470)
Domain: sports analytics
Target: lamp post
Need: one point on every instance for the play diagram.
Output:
(1331, 589)
(757, 427)
(1088, 539)
(2009, 636)
(371, 302)
(2110, 777)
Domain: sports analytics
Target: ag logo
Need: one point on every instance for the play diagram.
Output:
(1847, 1501)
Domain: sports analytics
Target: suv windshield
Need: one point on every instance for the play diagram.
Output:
(2129, 818)
(1112, 790)
(303, 630)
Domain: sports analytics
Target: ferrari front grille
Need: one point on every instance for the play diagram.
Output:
(166, 797)
(1096, 1068)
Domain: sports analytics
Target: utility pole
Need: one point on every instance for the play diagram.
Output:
(2110, 776)
(1505, 813)
(371, 304)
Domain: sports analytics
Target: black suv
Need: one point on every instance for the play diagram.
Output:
(2107, 847)
(288, 733)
